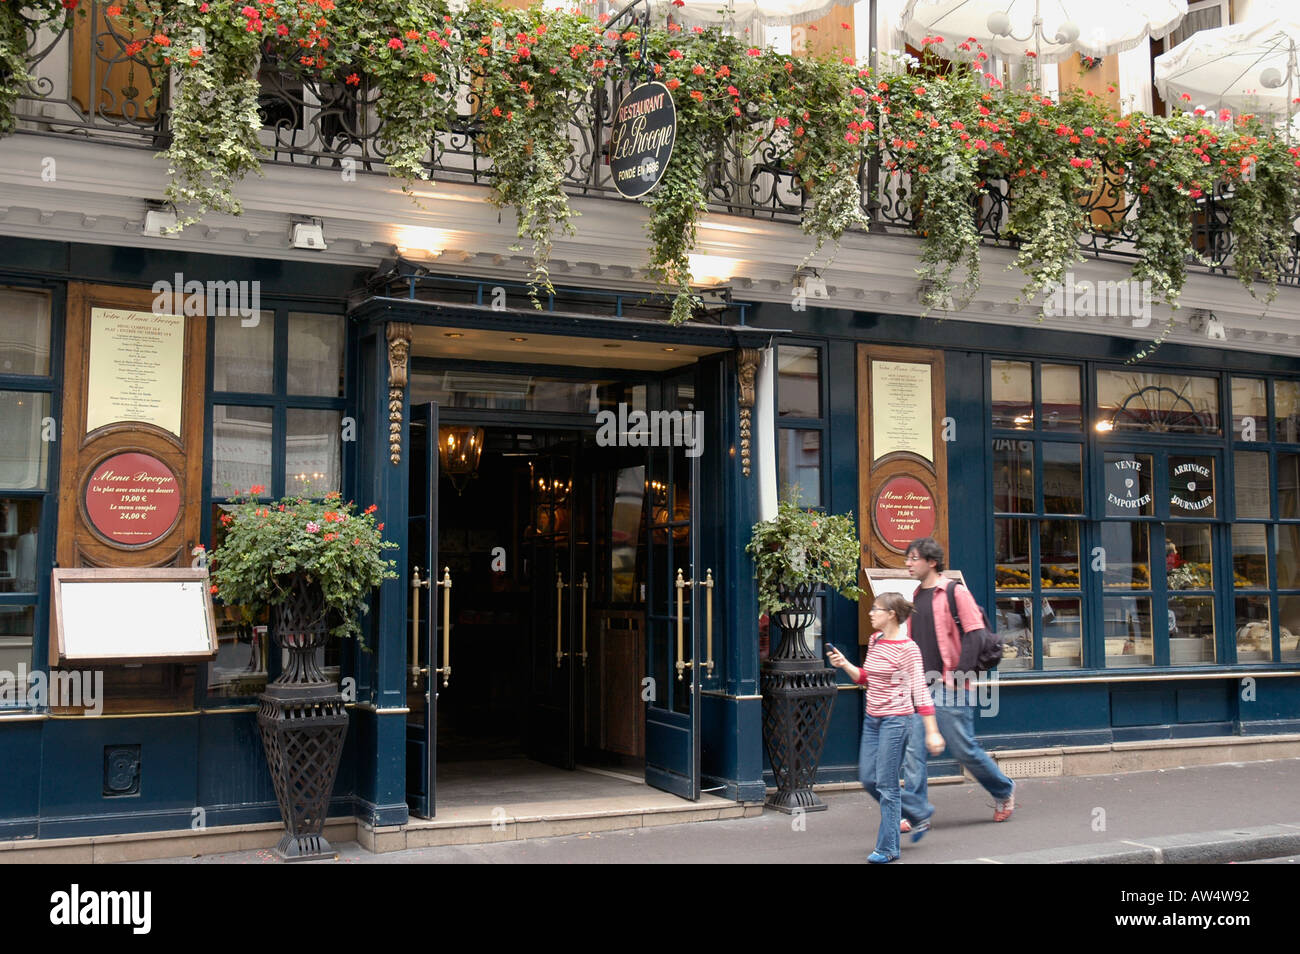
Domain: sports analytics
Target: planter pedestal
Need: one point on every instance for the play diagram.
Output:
(303, 723)
(798, 692)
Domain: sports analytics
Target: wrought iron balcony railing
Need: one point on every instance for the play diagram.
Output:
(87, 85)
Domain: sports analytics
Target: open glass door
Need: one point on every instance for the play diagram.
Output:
(677, 593)
(429, 592)
(557, 601)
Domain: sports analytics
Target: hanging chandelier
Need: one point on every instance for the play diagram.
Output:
(459, 449)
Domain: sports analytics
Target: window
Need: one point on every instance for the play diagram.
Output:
(27, 444)
(276, 418)
(1136, 402)
(1038, 506)
(1266, 519)
(801, 424)
(1201, 15)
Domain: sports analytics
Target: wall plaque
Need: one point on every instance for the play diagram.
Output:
(903, 511)
(901, 420)
(641, 142)
(132, 499)
(134, 368)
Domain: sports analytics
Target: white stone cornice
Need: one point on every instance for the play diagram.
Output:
(99, 192)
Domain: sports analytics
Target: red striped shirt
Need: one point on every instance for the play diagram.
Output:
(895, 679)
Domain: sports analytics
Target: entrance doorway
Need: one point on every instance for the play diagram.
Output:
(544, 612)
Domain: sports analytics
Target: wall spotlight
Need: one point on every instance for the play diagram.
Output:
(811, 284)
(1207, 323)
(308, 233)
(159, 218)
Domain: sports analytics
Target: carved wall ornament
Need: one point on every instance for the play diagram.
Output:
(399, 350)
(746, 368)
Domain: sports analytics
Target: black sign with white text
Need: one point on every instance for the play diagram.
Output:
(645, 128)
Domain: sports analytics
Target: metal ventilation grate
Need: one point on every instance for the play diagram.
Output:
(1050, 766)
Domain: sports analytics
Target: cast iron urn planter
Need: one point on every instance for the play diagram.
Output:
(798, 690)
(303, 723)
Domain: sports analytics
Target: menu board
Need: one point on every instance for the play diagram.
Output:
(901, 419)
(135, 368)
(132, 499)
(904, 511)
(98, 618)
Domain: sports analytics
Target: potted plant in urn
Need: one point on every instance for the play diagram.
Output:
(313, 563)
(796, 553)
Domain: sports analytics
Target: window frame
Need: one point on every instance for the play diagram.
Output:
(1037, 434)
(820, 423)
(46, 535)
(280, 402)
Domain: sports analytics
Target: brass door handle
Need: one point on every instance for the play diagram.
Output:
(682, 665)
(559, 618)
(416, 583)
(707, 583)
(445, 582)
(583, 585)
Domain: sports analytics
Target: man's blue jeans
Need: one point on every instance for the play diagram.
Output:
(879, 760)
(955, 714)
(916, 789)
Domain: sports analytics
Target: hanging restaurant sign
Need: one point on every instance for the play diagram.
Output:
(903, 512)
(132, 499)
(645, 128)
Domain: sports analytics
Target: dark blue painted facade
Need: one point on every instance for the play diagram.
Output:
(211, 758)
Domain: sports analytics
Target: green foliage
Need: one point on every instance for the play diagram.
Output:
(954, 133)
(923, 123)
(803, 546)
(532, 70)
(265, 544)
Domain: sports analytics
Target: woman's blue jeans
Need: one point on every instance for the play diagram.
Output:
(880, 759)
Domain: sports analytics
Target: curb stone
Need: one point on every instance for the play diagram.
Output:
(1209, 847)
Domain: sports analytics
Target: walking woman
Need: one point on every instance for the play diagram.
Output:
(896, 691)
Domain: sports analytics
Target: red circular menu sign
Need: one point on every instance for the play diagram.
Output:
(904, 511)
(132, 499)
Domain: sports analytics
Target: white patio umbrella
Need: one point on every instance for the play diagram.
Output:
(1246, 67)
(1050, 30)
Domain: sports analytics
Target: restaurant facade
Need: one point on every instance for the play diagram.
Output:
(571, 486)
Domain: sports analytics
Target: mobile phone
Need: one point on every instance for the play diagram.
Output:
(830, 648)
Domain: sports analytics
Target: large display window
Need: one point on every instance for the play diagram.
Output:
(1143, 518)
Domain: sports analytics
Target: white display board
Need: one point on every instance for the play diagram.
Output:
(133, 615)
(900, 581)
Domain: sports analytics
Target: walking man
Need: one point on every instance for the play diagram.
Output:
(937, 636)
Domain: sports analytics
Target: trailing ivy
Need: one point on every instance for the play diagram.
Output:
(533, 71)
(215, 51)
(923, 123)
(957, 136)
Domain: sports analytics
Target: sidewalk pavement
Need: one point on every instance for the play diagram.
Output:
(1220, 813)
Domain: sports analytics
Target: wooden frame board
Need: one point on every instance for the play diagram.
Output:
(892, 580)
(132, 615)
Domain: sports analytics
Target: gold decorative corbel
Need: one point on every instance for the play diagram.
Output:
(746, 368)
(399, 349)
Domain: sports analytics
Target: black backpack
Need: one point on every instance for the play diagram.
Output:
(981, 650)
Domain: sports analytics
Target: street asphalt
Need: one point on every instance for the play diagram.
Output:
(1224, 813)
